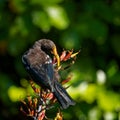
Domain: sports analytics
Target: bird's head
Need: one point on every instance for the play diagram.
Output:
(49, 46)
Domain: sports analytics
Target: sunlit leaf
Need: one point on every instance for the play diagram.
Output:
(108, 101)
(94, 113)
(58, 17)
(89, 95)
(16, 93)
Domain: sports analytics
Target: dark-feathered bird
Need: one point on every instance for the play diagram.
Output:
(39, 65)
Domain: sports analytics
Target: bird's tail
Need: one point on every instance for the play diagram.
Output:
(62, 96)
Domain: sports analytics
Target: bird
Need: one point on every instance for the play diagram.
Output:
(38, 64)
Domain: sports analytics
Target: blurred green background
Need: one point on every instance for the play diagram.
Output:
(92, 26)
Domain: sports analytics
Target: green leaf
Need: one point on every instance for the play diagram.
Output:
(15, 46)
(19, 27)
(16, 93)
(101, 10)
(58, 17)
(115, 42)
(89, 94)
(43, 2)
(71, 39)
(98, 31)
(17, 6)
(41, 20)
(108, 100)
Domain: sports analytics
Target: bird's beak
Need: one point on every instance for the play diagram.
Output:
(56, 55)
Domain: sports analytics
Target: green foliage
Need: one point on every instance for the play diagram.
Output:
(89, 26)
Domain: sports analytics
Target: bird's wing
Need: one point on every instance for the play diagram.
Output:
(43, 74)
